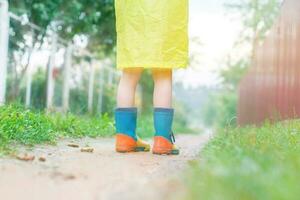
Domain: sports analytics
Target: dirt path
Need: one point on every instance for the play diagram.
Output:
(68, 173)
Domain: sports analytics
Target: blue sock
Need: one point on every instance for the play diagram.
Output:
(163, 120)
(126, 119)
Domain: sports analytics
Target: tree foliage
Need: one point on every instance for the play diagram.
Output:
(257, 18)
(69, 19)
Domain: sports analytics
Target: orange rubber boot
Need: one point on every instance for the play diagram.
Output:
(164, 138)
(126, 144)
(162, 146)
(126, 138)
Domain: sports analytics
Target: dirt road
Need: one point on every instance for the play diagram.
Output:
(71, 174)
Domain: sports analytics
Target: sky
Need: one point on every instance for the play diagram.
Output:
(210, 25)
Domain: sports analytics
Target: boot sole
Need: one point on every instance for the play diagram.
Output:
(168, 153)
(137, 149)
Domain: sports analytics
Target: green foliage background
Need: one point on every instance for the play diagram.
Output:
(69, 19)
(257, 18)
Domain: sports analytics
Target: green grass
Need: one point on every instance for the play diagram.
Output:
(26, 127)
(21, 126)
(249, 163)
(82, 126)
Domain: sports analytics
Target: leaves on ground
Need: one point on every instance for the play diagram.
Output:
(25, 157)
(73, 145)
(87, 149)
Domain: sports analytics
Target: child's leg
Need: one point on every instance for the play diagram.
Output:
(126, 114)
(162, 95)
(127, 87)
(163, 113)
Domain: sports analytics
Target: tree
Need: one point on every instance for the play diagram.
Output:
(92, 20)
(69, 18)
(257, 17)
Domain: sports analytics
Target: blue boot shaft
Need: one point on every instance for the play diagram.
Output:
(126, 119)
(163, 121)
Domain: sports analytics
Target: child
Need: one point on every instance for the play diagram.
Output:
(151, 34)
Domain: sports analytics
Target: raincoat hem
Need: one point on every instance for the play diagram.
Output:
(152, 66)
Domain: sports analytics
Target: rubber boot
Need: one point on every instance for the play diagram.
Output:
(126, 138)
(164, 138)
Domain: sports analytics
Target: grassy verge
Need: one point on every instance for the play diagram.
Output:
(21, 126)
(249, 163)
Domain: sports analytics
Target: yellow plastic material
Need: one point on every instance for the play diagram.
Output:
(143, 144)
(152, 33)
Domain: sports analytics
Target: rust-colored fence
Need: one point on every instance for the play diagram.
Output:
(271, 89)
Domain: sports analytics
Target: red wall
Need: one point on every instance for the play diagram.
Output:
(271, 88)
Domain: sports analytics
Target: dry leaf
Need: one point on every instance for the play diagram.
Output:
(69, 177)
(87, 149)
(73, 145)
(25, 157)
(42, 159)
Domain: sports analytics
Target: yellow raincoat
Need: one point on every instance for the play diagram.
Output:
(152, 33)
